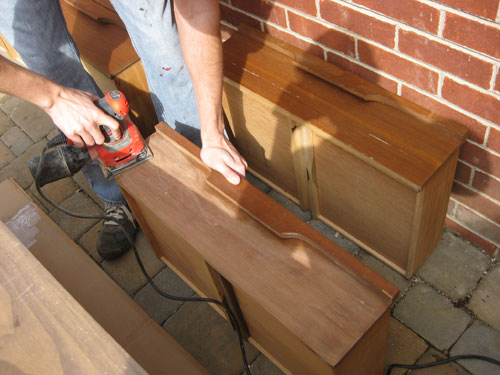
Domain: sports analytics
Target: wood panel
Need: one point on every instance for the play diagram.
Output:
(254, 244)
(99, 12)
(43, 329)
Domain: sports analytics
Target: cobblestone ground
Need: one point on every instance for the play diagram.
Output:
(449, 307)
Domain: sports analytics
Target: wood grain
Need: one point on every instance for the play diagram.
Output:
(340, 298)
(42, 328)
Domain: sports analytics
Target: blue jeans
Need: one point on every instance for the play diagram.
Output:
(38, 32)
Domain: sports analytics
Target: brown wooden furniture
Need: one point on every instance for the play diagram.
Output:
(40, 324)
(306, 303)
(372, 165)
(42, 328)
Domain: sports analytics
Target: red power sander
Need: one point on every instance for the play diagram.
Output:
(114, 155)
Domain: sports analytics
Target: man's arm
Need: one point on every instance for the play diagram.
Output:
(73, 111)
(199, 33)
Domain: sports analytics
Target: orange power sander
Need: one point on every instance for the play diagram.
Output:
(114, 155)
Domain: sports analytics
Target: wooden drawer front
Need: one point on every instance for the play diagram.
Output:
(213, 233)
(355, 198)
(99, 12)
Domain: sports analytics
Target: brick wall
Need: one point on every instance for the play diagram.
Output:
(443, 55)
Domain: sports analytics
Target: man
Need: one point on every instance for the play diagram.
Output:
(180, 48)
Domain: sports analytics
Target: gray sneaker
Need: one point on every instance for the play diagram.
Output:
(112, 242)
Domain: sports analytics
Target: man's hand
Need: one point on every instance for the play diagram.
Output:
(224, 158)
(74, 112)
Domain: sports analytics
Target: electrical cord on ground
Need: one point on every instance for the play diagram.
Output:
(233, 319)
(442, 362)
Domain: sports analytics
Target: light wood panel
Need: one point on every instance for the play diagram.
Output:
(266, 253)
(43, 329)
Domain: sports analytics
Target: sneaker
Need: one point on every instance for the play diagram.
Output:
(112, 242)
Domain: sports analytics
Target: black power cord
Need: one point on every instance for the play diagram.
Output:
(442, 362)
(234, 321)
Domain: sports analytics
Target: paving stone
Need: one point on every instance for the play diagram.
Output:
(335, 236)
(432, 316)
(57, 191)
(75, 227)
(432, 355)
(5, 123)
(10, 104)
(40, 205)
(485, 301)
(125, 270)
(259, 184)
(263, 366)
(18, 168)
(290, 206)
(479, 339)
(6, 155)
(89, 242)
(84, 184)
(17, 140)
(382, 269)
(159, 307)
(403, 346)
(33, 120)
(455, 266)
(209, 338)
(52, 134)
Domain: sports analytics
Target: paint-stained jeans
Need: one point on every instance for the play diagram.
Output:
(38, 32)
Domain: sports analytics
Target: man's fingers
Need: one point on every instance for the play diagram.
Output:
(235, 163)
(228, 173)
(77, 141)
(111, 123)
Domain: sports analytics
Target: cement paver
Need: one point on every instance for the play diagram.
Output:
(382, 269)
(10, 104)
(455, 266)
(263, 366)
(403, 346)
(159, 307)
(485, 301)
(17, 140)
(289, 205)
(335, 236)
(89, 242)
(84, 184)
(432, 316)
(125, 270)
(479, 339)
(5, 123)
(6, 155)
(33, 120)
(57, 191)
(209, 338)
(432, 355)
(78, 203)
(18, 168)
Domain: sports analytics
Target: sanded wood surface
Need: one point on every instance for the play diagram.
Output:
(43, 329)
(393, 141)
(111, 307)
(101, 13)
(104, 45)
(314, 290)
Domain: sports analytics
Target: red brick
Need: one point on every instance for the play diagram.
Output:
(412, 12)
(463, 173)
(477, 131)
(328, 37)
(493, 141)
(482, 8)
(289, 38)
(307, 6)
(487, 185)
(358, 23)
(475, 35)
(368, 74)
(480, 158)
(488, 246)
(450, 60)
(263, 9)
(393, 64)
(477, 202)
(486, 229)
(235, 18)
(484, 105)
